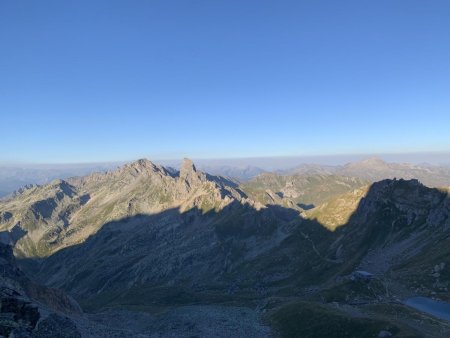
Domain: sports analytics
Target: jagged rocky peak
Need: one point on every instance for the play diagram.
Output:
(189, 173)
(63, 186)
(59, 182)
(405, 195)
(187, 167)
(24, 189)
(143, 165)
(401, 185)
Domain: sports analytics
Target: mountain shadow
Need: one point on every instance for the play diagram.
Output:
(237, 252)
(240, 255)
(306, 206)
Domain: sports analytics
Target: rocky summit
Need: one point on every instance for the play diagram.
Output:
(145, 251)
(65, 213)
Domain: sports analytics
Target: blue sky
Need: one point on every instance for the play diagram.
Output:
(117, 80)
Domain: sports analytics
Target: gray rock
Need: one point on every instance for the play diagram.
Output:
(56, 326)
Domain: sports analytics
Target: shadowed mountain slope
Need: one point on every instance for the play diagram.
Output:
(28, 309)
(145, 238)
(241, 250)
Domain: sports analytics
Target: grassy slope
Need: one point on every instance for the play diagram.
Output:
(308, 190)
(305, 319)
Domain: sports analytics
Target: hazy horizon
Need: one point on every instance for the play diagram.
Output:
(263, 162)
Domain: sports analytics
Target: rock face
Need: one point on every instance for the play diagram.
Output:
(56, 325)
(16, 310)
(17, 313)
(188, 173)
(26, 308)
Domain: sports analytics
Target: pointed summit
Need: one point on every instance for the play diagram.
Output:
(142, 163)
(189, 174)
(187, 166)
(140, 166)
(187, 170)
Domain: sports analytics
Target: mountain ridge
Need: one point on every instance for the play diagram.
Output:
(375, 169)
(145, 237)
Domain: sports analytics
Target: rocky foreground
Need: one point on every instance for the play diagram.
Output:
(30, 310)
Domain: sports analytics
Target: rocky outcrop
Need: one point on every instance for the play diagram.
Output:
(188, 172)
(398, 228)
(26, 308)
(55, 325)
(17, 312)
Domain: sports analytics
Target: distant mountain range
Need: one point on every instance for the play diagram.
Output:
(13, 178)
(375, 169)
(155, 247)
(239, 173)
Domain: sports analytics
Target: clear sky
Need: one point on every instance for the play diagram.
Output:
(117, 80)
